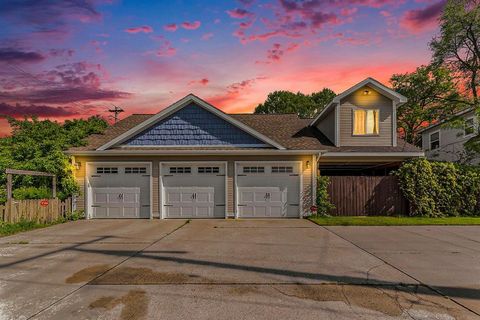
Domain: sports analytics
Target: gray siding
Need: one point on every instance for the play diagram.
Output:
(374, 100)
(327, 126)
(451, 143)
(306, 192)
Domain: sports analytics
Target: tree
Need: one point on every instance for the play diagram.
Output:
(431, 94)
(40, 145)
(306, 106)
(458, 45)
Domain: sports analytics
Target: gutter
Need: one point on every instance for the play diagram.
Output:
(189, 152)
(374, 154)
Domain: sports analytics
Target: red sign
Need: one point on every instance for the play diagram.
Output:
(313, 208)
(44, 203)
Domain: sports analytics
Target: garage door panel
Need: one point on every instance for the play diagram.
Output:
(193, 190)
(268, 189)
(119, 190)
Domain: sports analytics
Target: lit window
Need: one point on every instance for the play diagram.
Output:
(208, 169)
(253, 169)
(136, 170)
(469, 126)
(435, 140)
(107, 170)
(365, 121)
(276, 169)
(180, 170)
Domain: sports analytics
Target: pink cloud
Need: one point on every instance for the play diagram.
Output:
(207, 36)
(191, 25)
(166, 49)
(239, 13)
(172, 27)
(202, 82)
(144, 29)
(420, 20)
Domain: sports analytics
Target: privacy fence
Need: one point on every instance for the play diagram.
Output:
(366, 196)
(41, 211)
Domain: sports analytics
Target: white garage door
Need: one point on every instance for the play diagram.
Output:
(116, 202)
(268, 190)
(193, 190)
(118, 190)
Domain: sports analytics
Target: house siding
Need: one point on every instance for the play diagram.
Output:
(306, 192)
(192, 126)
(327, 126)
(374, 100)
(452, 143)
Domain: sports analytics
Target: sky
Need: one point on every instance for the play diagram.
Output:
(77, 58)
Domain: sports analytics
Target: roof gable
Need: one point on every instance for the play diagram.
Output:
(133, 135)
(369, 82)
(194, 126)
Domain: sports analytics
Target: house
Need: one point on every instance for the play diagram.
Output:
(444, 143)
(192, 160)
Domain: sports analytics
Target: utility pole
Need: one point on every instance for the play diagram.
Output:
(116, 111)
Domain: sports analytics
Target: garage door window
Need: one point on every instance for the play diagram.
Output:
(277, 169)
(208, 169)
(107, 170)
(253, 169)
(135, 170)
(180, 170)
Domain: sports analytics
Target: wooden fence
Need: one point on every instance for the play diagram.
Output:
(35, 210)
(366, 196)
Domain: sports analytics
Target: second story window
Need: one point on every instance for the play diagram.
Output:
(365, 122)
(435, 140)
(469, 126)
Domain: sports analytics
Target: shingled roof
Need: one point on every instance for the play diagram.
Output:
(289, 130)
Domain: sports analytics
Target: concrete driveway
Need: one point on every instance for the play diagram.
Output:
(225, 269)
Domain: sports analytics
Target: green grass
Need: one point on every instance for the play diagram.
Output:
(7, 229)
(394, 221)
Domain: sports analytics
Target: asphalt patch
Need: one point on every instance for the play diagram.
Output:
(87, 274)
(135, 304)
(136, 276)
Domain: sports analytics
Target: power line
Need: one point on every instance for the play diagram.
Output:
(116, 111)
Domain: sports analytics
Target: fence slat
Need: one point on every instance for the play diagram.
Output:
(366, 196)
(31, 210)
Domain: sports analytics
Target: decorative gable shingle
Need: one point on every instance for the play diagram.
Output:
(193, 126)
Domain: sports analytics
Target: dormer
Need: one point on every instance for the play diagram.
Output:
(364, 115)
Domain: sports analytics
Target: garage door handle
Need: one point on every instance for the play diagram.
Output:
(95, 175)
(220, 175)
(241, 175)
(168, 205)
(168, 175)
(293, 204)
(294, 175)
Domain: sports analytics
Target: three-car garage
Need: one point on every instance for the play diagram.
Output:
(190, 190)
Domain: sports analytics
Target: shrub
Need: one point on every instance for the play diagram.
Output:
(323, 199)
(437, 189)
(24, 193)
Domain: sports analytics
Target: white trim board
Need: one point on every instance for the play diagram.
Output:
(87, 182)
(179, 105)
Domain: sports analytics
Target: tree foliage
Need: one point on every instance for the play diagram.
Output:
(40, 145)
(432, 95)
(458, 45)
(306, 106)
(436, 189)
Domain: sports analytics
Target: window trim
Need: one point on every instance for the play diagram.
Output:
(183, 167)
(430, 140)
(214, 169)
(366, 134)
(285, 168)
(141, 170)
(253, 166)
(111, 169)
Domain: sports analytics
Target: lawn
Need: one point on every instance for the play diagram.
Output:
(394, 221)
(7, 229)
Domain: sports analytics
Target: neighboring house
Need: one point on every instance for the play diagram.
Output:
(192, 160)
(444, 143)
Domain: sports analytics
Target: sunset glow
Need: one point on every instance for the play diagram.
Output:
(63, 60)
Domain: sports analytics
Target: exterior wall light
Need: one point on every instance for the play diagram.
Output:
(366, 92)
(307, 165)
(77, 165)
